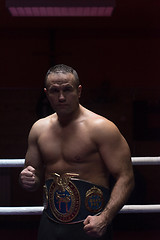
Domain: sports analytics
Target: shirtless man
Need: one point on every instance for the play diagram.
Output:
(90, 148)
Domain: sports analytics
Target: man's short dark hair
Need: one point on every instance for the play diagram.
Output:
(62, 68)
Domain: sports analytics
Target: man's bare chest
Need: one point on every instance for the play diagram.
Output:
(69, 146)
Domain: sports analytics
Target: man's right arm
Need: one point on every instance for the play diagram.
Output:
(31, 175)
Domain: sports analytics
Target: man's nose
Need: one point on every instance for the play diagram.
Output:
(61, 97)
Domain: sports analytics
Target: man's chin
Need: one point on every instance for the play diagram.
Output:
(62, 111)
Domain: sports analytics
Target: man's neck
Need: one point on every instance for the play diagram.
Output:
(66, 119)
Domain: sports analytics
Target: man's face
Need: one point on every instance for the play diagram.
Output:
(62, 92)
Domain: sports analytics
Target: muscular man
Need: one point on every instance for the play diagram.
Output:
(77, 150)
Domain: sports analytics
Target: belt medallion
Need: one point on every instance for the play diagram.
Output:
(64, 198)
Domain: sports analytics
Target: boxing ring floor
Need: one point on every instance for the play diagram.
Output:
(27, 213)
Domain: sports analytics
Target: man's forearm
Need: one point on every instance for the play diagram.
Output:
(119, 196)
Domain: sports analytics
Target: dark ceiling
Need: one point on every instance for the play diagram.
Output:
(128, 14)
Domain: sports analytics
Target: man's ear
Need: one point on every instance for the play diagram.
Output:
(45, 90)
(79, 90)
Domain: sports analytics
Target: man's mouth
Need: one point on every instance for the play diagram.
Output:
(62, 105)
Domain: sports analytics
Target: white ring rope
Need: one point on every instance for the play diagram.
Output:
(151, 208)
(135, 161)
(146, 160)
(12, 162)
(38, 210)
(21, 210)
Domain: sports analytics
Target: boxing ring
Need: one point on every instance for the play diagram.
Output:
(37, 210)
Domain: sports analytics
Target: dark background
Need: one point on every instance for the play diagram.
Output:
(117, 59)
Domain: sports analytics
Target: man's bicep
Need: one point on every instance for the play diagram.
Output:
(116, 155)
(33, 157)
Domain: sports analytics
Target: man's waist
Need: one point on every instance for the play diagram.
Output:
(70, 200)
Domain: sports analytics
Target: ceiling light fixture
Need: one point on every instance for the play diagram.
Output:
(60, 8)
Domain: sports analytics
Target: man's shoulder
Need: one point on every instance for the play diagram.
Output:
(43, 123)
(98, 124)
(95, 119)
(101, 128)
(40, 127)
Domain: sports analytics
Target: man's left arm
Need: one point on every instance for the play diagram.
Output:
(115, 152)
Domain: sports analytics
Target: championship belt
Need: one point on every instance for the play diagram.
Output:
(69, 200)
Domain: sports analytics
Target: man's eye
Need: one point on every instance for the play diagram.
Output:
(67, 89)
(53, 90)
